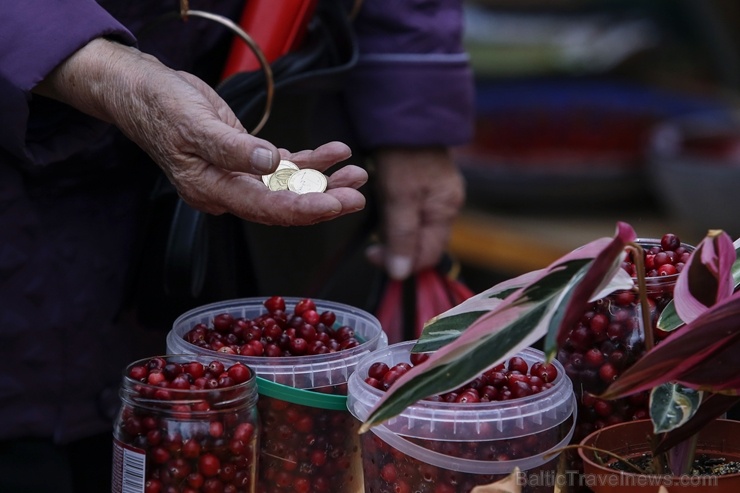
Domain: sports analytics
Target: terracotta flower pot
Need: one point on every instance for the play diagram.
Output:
(721, 438)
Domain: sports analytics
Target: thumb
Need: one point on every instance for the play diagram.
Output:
(234, 149)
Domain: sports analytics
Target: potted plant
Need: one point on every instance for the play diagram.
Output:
(694, 373)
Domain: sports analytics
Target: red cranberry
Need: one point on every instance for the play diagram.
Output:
(593, 358)
(304, 305)
(209, 465)
(328, 318)
(274, 304)
(670, 242)
(377, 370)
(608, 373)
(139, 373)
(517, 363)
(546, 371)
(418, 358)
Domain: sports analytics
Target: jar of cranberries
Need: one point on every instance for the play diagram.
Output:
(186, 424)
(610, 336)
(303, 352)
(517, 414)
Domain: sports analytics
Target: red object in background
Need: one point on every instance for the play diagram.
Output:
(277, 26)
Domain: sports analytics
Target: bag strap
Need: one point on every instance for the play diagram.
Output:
(267, 78)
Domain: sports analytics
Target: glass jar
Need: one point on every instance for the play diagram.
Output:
(199, 431)
(609, 338)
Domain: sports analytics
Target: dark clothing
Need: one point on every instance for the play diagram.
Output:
(72, 189)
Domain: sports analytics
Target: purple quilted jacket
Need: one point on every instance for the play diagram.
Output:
(71, 187)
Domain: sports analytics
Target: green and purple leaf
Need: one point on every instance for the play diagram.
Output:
(448, 326)
(605, 267)
(672, 405)
(700, 355)
(552, 300)
(703, 353)
(707, 276)
(669, 319)
(712, 407)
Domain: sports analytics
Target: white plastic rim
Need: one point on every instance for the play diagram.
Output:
(471, 466)
(498, 420)
(303, 372)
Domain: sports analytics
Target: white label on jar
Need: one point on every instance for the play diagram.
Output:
(129, 465)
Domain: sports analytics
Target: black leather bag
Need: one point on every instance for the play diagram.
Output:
(327, 53)
(191, 257)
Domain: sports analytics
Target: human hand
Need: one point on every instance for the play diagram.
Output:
(421, 191)
(192, 134)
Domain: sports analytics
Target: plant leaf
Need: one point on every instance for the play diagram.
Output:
(681, 457)
(604, 271)
(669, 319)
(707, 276)
(736, 265)
(672, 405)
(701, 354)
(712, 407)
(448, 326)
(553, 297)
(462, 360)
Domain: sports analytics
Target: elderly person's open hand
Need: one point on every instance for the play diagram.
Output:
(193, 135)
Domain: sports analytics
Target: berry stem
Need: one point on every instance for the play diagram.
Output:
(637, 254)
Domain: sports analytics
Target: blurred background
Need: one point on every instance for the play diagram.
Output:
(592, 112)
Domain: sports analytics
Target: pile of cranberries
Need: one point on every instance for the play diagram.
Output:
(510, 380)
(609, 338)
(307, 449)
(276, 333)
(387, 469)
(303, 448)
(195, 424)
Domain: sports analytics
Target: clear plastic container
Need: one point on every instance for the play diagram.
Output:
(440, 446)
(309, 439)
(301, 372)
(173, 440)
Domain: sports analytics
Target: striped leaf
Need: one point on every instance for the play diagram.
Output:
(672, 405)
(549, 303)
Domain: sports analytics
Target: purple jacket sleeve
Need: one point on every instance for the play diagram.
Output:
(35, 36)
(413, 85)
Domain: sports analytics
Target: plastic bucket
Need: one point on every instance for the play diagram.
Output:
(309, 440)
(459, 446)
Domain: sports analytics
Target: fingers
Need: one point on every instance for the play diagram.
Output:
(247, 197)
(349, 176)
(421, 191)
(285, 208)
(320, 158)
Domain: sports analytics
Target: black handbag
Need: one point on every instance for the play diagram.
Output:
(185, 247)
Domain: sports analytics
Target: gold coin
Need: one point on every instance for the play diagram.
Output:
(307, 180)
(279, 179)
(284, 164)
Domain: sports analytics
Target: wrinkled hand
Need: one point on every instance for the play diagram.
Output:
(192, 134)
(421, 192)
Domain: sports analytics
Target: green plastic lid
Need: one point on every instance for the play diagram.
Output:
(301, 396)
